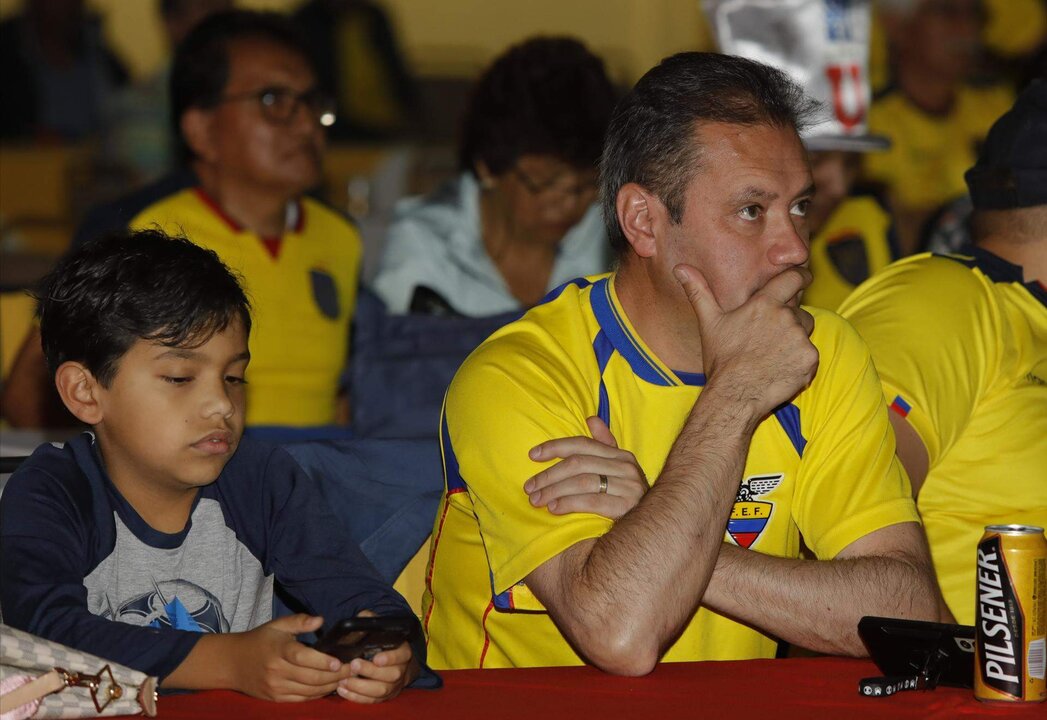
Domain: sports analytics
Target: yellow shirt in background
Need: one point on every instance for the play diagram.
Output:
(923, 169)
(853, 244)
(961, 348)
(301, 301)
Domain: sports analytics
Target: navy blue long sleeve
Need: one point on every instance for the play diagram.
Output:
(79, 566)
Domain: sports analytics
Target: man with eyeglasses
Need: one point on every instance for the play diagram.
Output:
(251, 118)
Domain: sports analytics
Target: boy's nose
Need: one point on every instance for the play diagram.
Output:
(220, 402)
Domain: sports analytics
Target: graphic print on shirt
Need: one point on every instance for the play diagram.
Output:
(176, 604)
(749, 516)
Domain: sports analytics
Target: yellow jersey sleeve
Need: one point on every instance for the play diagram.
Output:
(544, 397)
(850, 483)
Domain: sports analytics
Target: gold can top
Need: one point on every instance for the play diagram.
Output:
(1014, 529)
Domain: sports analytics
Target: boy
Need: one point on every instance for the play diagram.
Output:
(162, 518)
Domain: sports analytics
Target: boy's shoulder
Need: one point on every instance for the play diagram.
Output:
(55, 463)
(65, 478)
(256, 461)
(257, 469)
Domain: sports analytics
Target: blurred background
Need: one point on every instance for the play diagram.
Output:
(414, 62)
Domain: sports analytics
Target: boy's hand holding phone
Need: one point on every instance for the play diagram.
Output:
(377, 653)
(269, 662)
(381, 678)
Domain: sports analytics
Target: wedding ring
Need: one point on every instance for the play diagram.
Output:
(603, 485)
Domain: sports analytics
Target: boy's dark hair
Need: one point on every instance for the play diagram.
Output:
(144, 285)
(545, 96)
(200, 69)
(651, 138)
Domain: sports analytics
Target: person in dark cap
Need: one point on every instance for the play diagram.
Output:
(960, 343)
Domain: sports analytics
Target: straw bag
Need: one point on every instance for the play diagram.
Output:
(44, 679)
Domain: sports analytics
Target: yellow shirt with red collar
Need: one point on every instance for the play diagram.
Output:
(960, 343)
(822, 468)
(302, 299)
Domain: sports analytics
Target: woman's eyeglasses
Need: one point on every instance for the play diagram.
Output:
(560, 187)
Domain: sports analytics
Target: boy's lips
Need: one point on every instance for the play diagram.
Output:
(219, 442)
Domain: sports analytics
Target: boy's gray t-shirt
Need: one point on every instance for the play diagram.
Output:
(74, 554)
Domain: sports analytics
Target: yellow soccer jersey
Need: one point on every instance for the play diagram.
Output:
(854, 243)
(302, 301)
(823, 466)
(961, 348)
(924, 166)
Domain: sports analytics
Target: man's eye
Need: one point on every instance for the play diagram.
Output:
(752, 212)
(235, 380)
(801, 208)
(276, 98)
(176, 380)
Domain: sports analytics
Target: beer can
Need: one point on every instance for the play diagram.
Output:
(1011, 612)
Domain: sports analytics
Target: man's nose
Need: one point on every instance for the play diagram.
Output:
(791, 244)
(304, 118)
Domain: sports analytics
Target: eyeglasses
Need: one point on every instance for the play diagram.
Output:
(559, 188)
(280, 104)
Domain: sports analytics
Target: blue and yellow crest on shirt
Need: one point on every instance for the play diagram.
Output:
(749, 516)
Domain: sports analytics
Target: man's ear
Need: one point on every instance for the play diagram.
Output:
(640, 215)
(80, 392)
(197, 128)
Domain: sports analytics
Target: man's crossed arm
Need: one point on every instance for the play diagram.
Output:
(623, 598)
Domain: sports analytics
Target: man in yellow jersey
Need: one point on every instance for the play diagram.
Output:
(760, 425)
(250, 117)
(934, 116)
(960, 342)
(251, 114)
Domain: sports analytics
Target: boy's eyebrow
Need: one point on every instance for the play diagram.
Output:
(179, 353)
(189, 354)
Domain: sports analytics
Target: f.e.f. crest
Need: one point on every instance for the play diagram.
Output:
(749, 516)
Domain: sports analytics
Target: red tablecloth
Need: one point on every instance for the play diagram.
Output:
(765, 689)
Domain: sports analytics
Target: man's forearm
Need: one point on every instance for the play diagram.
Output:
(816, 604)
(629, 592)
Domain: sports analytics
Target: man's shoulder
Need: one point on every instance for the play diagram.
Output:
(980, 105)
(173, 211)
(318, 211)
(118, 214)
(928, 282)
(560, 323)
(552, 338)
(830, 329)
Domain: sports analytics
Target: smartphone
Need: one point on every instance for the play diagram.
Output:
(941, 653)
(365, 637)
